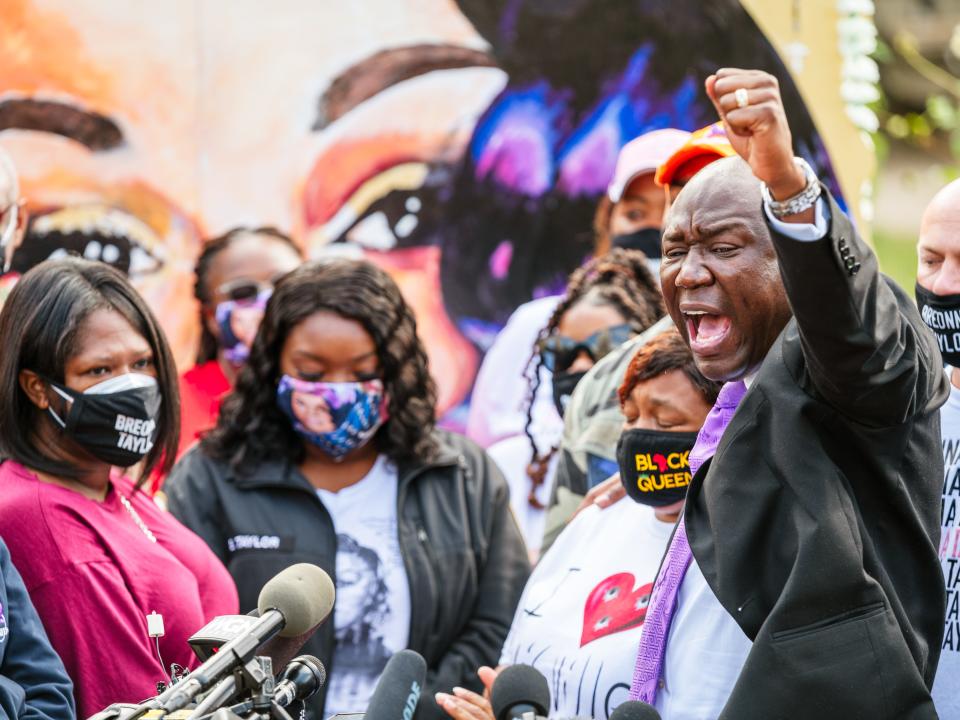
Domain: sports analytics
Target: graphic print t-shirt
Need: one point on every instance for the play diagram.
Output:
(372, 611)
(946, 687)
(581, 613)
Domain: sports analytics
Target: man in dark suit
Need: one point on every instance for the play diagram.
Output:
(803, 580)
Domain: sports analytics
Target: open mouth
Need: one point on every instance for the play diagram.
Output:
(706, 330)
(94, 232)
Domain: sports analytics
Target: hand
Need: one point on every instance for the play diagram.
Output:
(604, 495)
(758, 132)
(467, 705)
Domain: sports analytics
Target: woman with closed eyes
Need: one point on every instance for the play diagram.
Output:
(327, 447)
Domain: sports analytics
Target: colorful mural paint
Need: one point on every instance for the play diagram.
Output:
(461, 145)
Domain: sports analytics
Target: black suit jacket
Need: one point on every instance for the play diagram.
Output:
(817, 521)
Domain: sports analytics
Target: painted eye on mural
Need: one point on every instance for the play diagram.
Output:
(611, 594)
(390, 223)
(602, 623)
(642, 602)
(396, 208)
(94, 232)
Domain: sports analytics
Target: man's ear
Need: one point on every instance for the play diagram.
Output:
(35, 388)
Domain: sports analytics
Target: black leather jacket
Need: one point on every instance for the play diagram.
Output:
(816, 523)
(465, 558)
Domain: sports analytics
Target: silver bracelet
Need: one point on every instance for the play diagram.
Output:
(803, 200)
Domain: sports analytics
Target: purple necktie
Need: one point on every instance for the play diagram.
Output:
(663, 599)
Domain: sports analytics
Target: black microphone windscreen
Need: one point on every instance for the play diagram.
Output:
(303, 593)
(519, 684)
(399, 687)
(634, 710)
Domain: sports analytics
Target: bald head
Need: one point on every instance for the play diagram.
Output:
(719, 273)
(726, 187)
(938, 249)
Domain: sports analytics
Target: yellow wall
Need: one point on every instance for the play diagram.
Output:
(850, 149)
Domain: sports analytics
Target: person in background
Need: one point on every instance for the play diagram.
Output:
(235, 274)
(88, 384)
(702, 147)
(938, 296)
(33, 682)
(13, 214)
(610, 299)
(628, 216)
(413, 523)
(582, 611)
(586, 469)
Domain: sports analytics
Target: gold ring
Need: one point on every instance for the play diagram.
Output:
(742, 98)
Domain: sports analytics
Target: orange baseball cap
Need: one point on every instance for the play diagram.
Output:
(701, 148)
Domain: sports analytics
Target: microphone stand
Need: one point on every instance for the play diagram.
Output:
(256, 675)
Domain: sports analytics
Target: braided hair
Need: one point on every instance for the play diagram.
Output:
(619, 279)
(204, 293)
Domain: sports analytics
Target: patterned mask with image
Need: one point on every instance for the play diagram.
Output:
(337, 417)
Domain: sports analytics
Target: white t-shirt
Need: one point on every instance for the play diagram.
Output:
(372, 611)
(581, 613)
(512, 456)
(706, 650)
(498, 404)
(946, 686)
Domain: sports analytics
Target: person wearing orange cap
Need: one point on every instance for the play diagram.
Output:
(631, 212)
(701, 148)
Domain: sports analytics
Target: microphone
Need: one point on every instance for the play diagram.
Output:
(291, 604)
(634, 710)
(520, 691)
(301, 680)
(398, 690)
(222, 629)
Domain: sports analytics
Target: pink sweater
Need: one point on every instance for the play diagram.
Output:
(94, 576)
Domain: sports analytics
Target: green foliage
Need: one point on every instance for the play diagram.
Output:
(898, 257)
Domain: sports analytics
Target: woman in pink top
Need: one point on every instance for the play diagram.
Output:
(88, 385)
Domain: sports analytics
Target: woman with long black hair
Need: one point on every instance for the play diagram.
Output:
(326, 452)
(88, 385)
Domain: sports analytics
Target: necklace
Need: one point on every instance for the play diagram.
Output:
(137, 519)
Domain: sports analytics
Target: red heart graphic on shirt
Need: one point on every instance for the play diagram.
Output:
(613, 606)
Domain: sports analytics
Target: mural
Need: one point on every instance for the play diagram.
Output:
(461, 145)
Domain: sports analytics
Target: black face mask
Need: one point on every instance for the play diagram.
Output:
(941, 313)
(655, 465)
(563, 385)
(646, 241)
(115, 420)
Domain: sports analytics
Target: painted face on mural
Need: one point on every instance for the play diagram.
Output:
(453, 145)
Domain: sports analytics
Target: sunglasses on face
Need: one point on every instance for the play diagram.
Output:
(244, 290)
(559, 352)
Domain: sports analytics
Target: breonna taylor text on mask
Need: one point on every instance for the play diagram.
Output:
(940, 320)
(134, 434)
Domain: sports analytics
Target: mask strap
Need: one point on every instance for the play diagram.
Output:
(56, 417)
(60, 392)
(50, 409)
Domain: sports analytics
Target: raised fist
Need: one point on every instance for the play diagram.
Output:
(749, 104)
